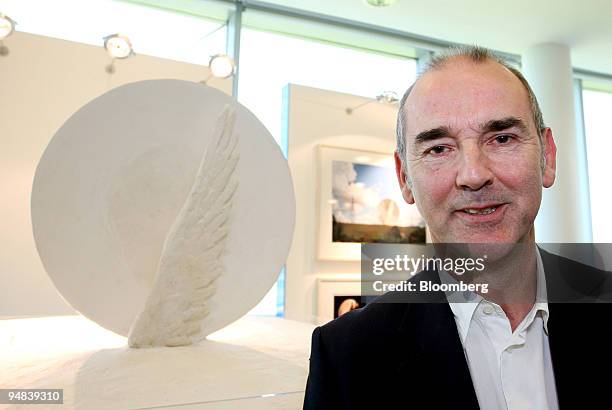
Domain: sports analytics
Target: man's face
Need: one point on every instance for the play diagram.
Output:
(474, 158)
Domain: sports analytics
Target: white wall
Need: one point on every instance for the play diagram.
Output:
(42, 82)
(318, 117)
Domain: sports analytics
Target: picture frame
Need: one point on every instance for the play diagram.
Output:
(328, 290)
(359, 201)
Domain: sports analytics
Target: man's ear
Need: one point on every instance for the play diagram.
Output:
(402, 178)
(550, 157)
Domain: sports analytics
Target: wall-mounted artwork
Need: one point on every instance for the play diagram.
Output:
(360, 202)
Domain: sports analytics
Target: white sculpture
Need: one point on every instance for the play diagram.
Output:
(191, 259)
(115, 206)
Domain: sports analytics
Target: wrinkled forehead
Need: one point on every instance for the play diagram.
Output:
(461, 95)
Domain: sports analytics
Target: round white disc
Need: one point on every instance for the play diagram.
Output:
(113, 179)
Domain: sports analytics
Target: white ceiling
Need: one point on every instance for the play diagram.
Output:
(509, 26)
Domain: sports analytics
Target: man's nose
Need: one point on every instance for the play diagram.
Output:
(473, 173)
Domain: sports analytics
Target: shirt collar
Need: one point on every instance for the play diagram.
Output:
(541, 302)
(464, 304)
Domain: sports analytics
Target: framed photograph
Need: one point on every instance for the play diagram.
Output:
(332, 294)
(360, 201)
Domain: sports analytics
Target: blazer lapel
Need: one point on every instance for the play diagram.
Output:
(431, 330)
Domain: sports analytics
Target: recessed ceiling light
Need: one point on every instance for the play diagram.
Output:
(7, 26)
(118, 46)
(380, 3)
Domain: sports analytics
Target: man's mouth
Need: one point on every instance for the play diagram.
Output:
(489, 213)
(480, 211)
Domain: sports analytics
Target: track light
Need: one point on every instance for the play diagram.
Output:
(221, 66)
(7, 26)
(386, 97)
(119, 47)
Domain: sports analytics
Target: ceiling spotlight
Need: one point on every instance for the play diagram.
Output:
(221, 65)
(7, 26)
(380, 3)
(118, 46)
(387, 97)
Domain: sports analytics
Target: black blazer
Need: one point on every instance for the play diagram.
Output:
(410, 356)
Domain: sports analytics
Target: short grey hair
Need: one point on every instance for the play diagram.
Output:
(478, 55)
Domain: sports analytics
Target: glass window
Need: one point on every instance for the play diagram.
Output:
(270, 61)
(152, 31)
(597, 106)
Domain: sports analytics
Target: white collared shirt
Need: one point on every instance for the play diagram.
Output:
(510, 370)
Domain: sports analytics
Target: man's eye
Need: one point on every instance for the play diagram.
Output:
(503, 139)
(438, 149)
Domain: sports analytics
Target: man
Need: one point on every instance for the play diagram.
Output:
(473, 154)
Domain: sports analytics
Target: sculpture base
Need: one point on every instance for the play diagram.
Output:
(256, 362)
